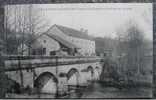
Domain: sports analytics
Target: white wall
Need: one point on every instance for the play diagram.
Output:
(50, 44)
(87, 46)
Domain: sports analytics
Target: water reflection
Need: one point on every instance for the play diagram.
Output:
(97, 90)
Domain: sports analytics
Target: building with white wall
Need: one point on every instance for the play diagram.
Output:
(78, 37)
(62, 39)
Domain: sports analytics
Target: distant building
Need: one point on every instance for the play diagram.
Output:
(61, 40)
(106, 53)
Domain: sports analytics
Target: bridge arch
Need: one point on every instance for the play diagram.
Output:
(90, 70)
(97, 68)
(73, 76)
(97, 73)
(46, 82)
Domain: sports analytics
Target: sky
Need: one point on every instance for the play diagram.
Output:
(101, 20)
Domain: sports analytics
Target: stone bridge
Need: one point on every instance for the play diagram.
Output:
(50, 74)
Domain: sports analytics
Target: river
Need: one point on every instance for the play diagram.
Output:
(97, 90)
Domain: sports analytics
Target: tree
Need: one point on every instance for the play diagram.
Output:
(131, 47)
(24, 23)
(135, 50)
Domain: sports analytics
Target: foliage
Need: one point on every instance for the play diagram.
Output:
(14, 40)
(135, 47)
(22, 27)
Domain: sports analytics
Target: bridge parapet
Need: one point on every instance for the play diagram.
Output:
(13, 63)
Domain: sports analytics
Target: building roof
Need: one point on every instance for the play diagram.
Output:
(57, 38)
(62, 41)
(67, 31)
(72, 32)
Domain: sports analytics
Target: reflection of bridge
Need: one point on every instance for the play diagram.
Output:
(52, 74)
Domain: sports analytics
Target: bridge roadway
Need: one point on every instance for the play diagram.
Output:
(50, 74)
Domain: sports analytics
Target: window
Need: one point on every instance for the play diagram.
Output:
(33, 52)
(52, 53)
(44, 51)
(44, 41)
(105, 54)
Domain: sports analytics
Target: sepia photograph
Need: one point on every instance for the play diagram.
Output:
(83, 50)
